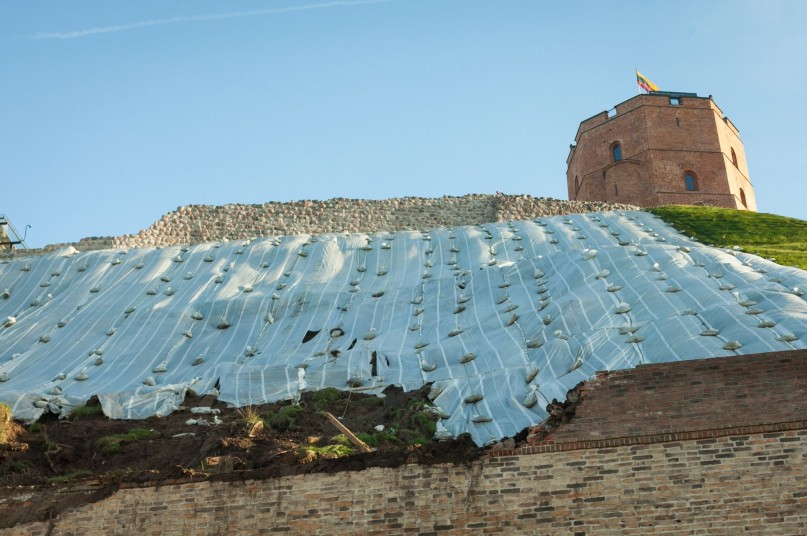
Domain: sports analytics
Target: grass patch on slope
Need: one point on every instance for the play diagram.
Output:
(85, 412)
(767, 235)
(112, 444)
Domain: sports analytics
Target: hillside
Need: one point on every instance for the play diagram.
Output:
(498, 319)
(467, 331)
(767, 235)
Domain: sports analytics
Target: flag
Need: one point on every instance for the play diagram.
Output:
(644, 83)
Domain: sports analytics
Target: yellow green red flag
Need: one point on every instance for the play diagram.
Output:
(644, 83)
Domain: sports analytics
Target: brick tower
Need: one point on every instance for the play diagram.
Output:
(662, 148)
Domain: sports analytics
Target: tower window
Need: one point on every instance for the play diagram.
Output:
(576, 185)
(691, 182)
(616, 190)
(742, 198)
(616, 152)
(675, 101)
(733, 157)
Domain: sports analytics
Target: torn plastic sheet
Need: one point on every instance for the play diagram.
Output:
(498, 318)
(158, 401)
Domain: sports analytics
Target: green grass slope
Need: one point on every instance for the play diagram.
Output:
(767, 235)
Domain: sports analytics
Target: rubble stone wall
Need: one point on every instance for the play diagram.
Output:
(205, 223)
(194, 224)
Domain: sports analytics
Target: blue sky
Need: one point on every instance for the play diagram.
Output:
(116, 112)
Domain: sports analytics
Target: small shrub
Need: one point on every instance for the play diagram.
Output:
(388, 436)
(108, 445)
(284, 419)
(5, 420)
(341, 439)
(372, 401)
(249, 415)
(419, 441)
(332, 450)
(253, 422)
(425, 421)
(112, 444)
(50, 445)
(377, 438)
(85, 412)
(9, 430)
(70, 476)
(325, 397)
(310, 453)
(14, 467)
(369, 439)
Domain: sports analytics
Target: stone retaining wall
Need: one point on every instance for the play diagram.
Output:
(207, 223)
(749, 483)
(738, 464)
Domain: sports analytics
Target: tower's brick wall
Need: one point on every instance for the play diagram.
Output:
(660, 142)
(738, 176)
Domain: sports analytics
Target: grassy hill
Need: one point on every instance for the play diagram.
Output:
(767, 235)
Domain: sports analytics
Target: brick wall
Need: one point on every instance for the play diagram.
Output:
(660, 142)
(687, 396)
(752, 483)
(743, 473)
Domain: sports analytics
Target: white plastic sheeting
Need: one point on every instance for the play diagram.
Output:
(499, 318)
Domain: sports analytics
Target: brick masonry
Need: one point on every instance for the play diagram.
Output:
(687, 396)
(660, 142)
(642, 471)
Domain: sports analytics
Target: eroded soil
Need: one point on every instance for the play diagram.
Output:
(96, 455)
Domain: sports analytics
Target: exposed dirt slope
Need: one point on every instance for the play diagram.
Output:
(265, 441)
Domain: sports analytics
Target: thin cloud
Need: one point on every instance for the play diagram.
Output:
(200, 18)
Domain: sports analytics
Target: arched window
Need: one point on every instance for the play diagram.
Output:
(742, 198)
(691, 181)
(616, 152)
(733, 157)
